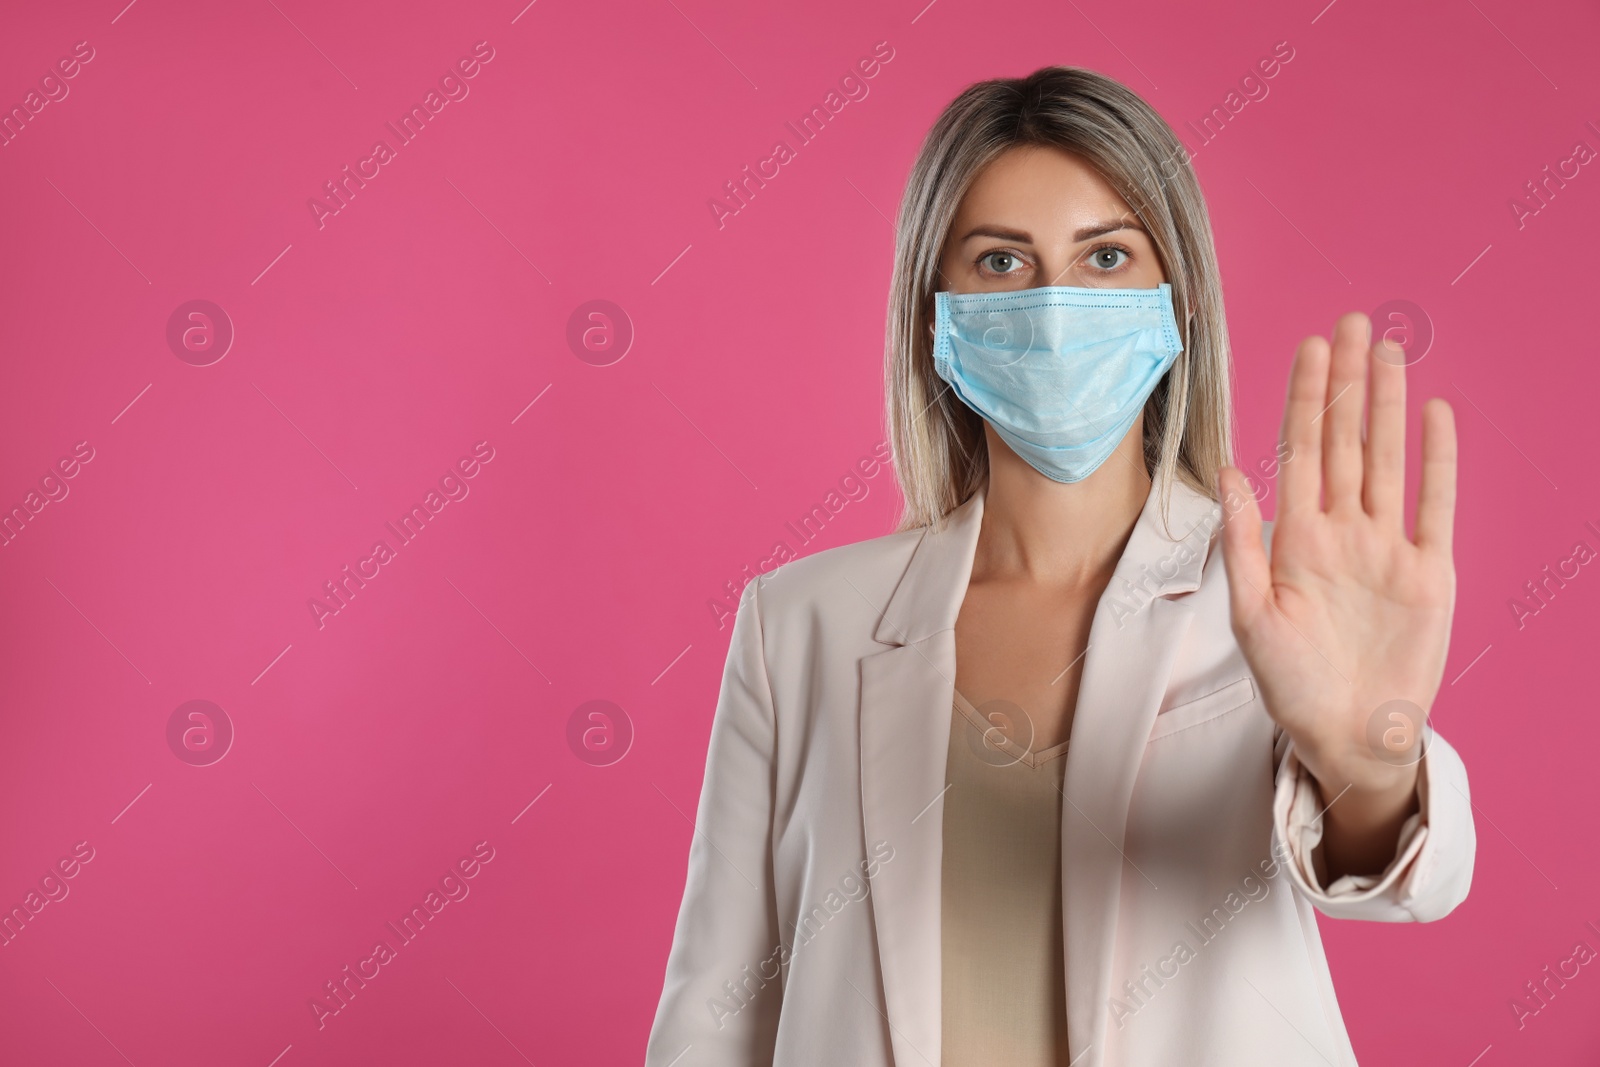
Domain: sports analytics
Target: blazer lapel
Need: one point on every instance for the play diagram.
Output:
(1133, 642)
(906, 695)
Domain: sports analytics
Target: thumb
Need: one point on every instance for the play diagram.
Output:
(1244, 556)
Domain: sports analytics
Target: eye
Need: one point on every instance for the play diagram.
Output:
(1109, 257)
(1001, 261)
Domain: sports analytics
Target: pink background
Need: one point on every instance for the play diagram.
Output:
(373, 752)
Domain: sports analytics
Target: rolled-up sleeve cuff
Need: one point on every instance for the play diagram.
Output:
(1297, 809)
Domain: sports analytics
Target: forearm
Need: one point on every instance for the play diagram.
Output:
(1361, 823)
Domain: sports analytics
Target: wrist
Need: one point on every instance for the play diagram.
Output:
(1357, 808)
(1345, 766)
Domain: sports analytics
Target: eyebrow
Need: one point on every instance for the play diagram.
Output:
(1087, 233)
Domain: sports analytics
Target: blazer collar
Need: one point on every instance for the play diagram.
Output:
(904, 728)
(929, 595)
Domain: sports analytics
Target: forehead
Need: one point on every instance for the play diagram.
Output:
(1036, 186)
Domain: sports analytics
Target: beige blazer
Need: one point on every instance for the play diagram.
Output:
(809, 931)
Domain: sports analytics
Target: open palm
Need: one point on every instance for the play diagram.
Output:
(1348, 615)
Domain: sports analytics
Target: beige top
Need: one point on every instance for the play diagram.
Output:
(1003, 971)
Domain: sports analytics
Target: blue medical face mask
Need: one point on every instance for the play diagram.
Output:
(1061, 373)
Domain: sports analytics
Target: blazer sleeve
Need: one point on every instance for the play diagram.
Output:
(723, 987)
(1432, 867)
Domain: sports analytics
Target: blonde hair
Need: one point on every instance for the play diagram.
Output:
(941, 457)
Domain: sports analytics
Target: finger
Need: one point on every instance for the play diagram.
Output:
(1436, 500)
(1244, 556)
(1341, 421)
(1300, 477)
(1384, 490)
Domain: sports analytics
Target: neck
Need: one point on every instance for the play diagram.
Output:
(1055, 533)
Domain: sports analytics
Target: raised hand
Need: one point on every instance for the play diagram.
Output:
(1349, 614)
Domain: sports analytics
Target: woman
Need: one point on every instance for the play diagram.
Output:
(1058, 772)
